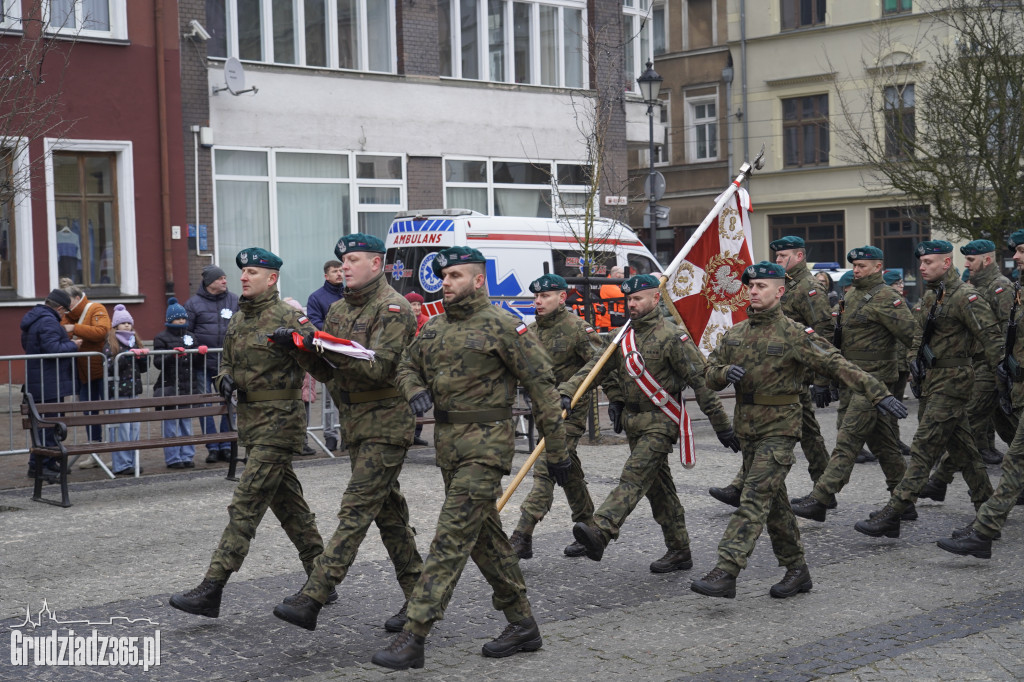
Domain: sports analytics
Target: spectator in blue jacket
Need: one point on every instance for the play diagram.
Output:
(209, 312)
(177, 377)
(319, 302)
(48, 381)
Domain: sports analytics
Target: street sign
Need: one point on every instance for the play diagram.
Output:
(659, 186)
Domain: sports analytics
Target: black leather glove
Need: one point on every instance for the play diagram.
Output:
(890, 405)
(821, 395)
(834, 392)
(728, 439)
(1002, 374)
(566, 404)
(615, 414)
(735, 373)
(307, 340)
(560, 471)
(421, 402)
(226, 386)
(282, 336)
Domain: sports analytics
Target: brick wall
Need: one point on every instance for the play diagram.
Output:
(606, 74)
(418, 53)
(426, 182)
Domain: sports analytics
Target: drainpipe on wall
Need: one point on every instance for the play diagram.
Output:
(165, 184)
(743, 65)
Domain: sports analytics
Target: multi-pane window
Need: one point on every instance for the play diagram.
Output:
(801, 13)
(824, 234)
(659, 31)
(300, 203)
(8, 278)
(897, 6)
(516, 188)
(85, 213)
(636, 40)
(805, 131)
(898, 231)
(663, 152)
(337, 34)
(512, 42)
(703, 127)
(900, 129)
(86, 18)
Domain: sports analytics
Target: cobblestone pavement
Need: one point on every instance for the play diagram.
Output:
(880, 609)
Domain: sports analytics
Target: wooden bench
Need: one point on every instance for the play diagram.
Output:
(62, 416)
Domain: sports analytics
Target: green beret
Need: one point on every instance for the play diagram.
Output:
(456, 255)
(1016, 238)
(890, 277)
(764, 270)
(639, 283)
(978, 247)
(786, 243)
(358, 242)
(847, 279)
(255, 257)
(939, 246)
(865, 253)
(548, 283)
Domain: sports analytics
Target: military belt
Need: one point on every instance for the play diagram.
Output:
(472, 416)
(263, 396)
(946, 363)
(763, 399)
(868, 355)
(642, 407)
(357, 397)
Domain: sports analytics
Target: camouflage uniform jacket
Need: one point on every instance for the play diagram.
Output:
(570, 343)
(471, 358)
(806, 302)
(875, 319)
(997, 289)
(674, 361)
(379, 318)
(257, 364)
(775, 351)
(962, 319)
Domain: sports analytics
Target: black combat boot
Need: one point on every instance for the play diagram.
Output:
(886, 523)
(972, 544)
(730, 495)
(674, 560)
(299, 609)
(968, 529)
(397, 622)
(865, 455)
(591, 538)
(909, 514)
(204, 600)
(904, 449)
(796, 580)
(717, 583)
(809, 508)
(516, 637)
(522, 544)
(991, 456)
(934, 489)
(575, 549)
(405, 651)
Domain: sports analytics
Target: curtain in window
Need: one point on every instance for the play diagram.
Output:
(473, 198)
(243, 217)
(548, 45)
(573, 41)
(376, 224)
(311, 217)
(522, 202)
(96, 15)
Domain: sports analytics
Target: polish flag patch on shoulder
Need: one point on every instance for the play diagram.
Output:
(394, 308)
(521, 329)
(835, 313)
(972, 298)
(684, 338)
(303, 320)
(812, 292)
(1000, 290)
(897, 303)
(808, 330)
(589, 330)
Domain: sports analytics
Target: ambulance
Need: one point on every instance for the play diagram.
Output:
(517, 251)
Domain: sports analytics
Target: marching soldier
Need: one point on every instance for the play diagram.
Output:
(468, 361)
(571, 343)
(271, 427)
(976, 539)
(805, 302)
(644, 382)
(767, 357)
(874, 320)
(951, 318)
(376, 424)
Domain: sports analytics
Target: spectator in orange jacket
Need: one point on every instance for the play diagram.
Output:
(614, 307)
(89, 322)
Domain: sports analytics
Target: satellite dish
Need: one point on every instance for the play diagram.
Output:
(234, 78)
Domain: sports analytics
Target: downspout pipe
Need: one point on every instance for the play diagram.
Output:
(743, 83)
(165, 182)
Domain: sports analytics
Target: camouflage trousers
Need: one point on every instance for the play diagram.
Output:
(268, 481)
(861, 422)
(983, 412)
(764, 502)
(538, 502)
(646, 473)
(468, 528)
(811, 442)
(992, 514)
(942, 425)
(372, 495)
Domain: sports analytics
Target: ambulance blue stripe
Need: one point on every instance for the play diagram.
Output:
(430, 226)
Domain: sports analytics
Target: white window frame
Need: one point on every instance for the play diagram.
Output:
(691, 104)
(638, 14)
(118, 22)
(25, 284)
(389, 183)
(9, 20)
(124, 158)
(490, 185)
(267, 37)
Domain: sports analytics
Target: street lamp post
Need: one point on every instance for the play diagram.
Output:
(650, 84)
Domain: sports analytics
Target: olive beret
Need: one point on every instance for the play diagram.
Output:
(255, 257)
(456, 255)
(935, 246)
(548, 283)
(865, 253)
(763, 270)
(786, 243)
(639, 283)
(358, 242)
(978, 247)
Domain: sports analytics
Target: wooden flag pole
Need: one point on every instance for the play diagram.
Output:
(745, 171)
